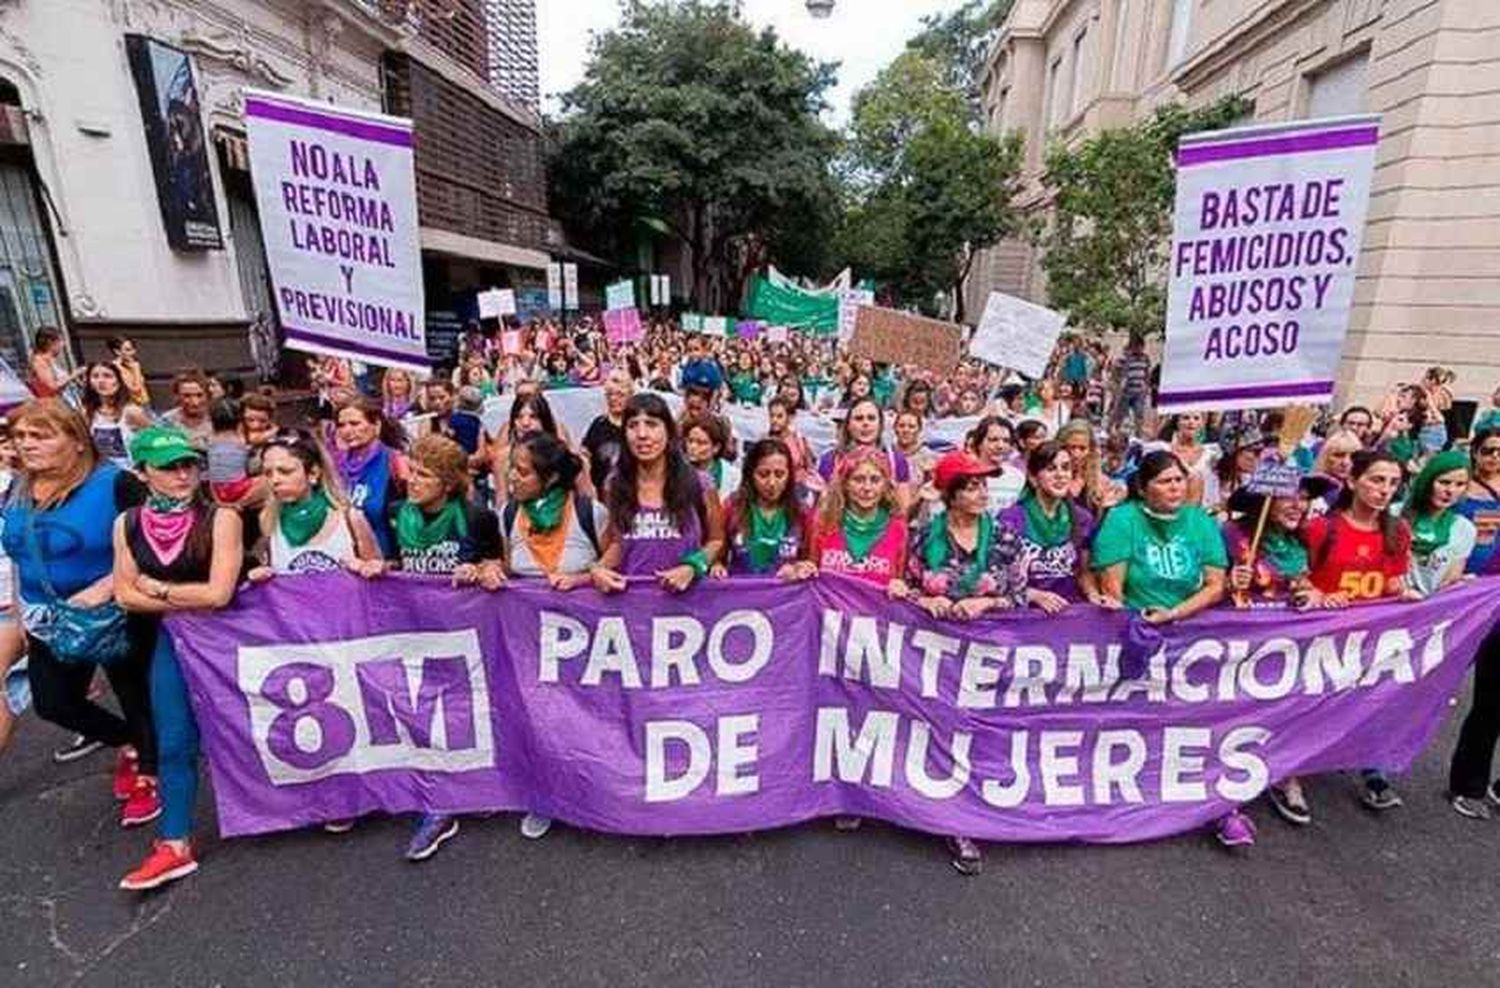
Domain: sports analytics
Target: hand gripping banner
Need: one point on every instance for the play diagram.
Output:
(747, 705)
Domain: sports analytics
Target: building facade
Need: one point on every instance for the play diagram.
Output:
(1427, 292)
(515, 70)
(86, 244)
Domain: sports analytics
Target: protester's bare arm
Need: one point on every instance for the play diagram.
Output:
(1207, 596)
(148, 595)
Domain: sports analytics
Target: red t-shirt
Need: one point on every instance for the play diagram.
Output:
(1355, 563)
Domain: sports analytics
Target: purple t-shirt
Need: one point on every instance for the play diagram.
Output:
(654, 541)
(1053, 568)
(900, 468)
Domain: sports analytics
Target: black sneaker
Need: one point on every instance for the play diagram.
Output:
(1379, 794)
(1293, 811)
(79, 747)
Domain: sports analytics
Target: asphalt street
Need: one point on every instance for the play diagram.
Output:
(1409, 898)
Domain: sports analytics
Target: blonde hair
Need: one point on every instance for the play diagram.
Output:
(56, 415)
(1093, 482)
(831, 514)
(310, 452)
(445, 458)
(1339, 437)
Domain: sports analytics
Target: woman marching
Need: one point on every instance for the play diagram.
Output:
(370, 465)
(666, 516)
(864, 428)
(1471, 788)
(57, 533)
(308, 525)
(963, 564)
(176, 552)
(1055, 532)
(440, 532)
(1361, 552)
(766, 530)
(113, 419)
(1441, 537)
(862, 532)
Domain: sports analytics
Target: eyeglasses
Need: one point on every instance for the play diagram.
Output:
(1487, 451)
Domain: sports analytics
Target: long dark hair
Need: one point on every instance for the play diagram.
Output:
(93, 400)
(1040, 459)
(554, 463)
(745, 498)
(539, 407)
(976, 435)
(683, 492)
(844, 443)
(1390, 525)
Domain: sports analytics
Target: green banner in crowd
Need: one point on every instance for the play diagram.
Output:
(789, 306)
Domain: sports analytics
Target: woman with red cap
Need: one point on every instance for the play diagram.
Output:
(964, 564)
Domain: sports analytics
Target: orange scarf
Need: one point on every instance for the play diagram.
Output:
(546, 547)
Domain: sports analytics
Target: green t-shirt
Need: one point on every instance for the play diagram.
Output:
(1164, 560)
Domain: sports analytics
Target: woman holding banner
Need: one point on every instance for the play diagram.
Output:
(964, 564)
(1441, 537)
(666, 515)
(176, 552)
(440, 532)
(370, 465)
(1156, 553)
(766, 531)
(1361, 552)
(308, 524)
(862, 531)
(1055, 533)
(1335, 462)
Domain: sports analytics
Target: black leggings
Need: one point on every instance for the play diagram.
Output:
(1469, 774)
(60, 692)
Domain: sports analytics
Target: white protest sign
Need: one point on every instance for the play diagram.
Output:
(570, 286)
(497, 302)
(1265, 245)
(716, 325)
(850, 299)
(620, 295)
(1016, 334)
(336, 192)
(555, 287)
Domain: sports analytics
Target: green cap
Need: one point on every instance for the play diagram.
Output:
(162, 446)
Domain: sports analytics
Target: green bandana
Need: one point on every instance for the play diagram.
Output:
(766, 535)
(303, 519)
(1285, 552)
(861, 534)
(164, 505)
(545, 513)
(939, 549)
(416, 531)
(716, 474)
(1047, 532)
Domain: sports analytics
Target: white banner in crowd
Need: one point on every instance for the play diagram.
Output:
(850, 299)
(554, 287)
(338, 213)
(570, 286)
(576, 408)
(620, 295)
(1265, 246)
(1016, 334)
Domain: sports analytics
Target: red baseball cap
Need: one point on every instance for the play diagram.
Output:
(960, 465)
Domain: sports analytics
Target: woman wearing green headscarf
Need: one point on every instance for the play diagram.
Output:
(1441, 538)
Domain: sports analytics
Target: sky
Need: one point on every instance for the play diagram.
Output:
(862, 35)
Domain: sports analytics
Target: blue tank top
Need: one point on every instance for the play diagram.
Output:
(75, 538)
(370, 492)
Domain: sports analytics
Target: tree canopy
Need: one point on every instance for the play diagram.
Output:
(1105, 247)
(690, 123)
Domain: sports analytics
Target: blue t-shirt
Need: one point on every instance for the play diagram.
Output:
(75, 538)
(1484, 512)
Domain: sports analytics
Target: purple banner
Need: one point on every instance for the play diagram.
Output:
(724, 712)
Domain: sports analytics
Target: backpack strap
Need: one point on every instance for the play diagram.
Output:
(583, 510)
(508, 519)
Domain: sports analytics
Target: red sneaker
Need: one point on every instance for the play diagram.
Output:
(164, 864)
(143, 806)
(127, 768)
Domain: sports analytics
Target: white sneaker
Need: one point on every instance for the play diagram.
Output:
(534, 826)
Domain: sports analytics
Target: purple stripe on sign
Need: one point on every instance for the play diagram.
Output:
(1305, 389)
(418, 359)
(1327, 140)
(362, 129)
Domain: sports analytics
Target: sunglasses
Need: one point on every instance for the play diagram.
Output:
(1487, 451)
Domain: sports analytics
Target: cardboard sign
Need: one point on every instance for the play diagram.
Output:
(890, 337)
(1016, 334)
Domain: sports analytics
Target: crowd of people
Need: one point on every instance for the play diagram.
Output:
(1063, 492)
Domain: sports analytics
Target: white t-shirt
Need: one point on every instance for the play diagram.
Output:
(1425, 574)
